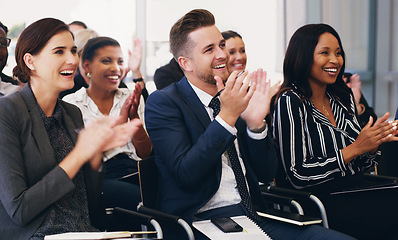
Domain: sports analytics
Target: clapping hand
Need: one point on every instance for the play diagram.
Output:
(130, 106)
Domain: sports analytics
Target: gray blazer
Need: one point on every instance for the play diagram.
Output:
(30, 179)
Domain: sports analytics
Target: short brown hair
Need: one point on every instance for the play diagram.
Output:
(179, 41)
(32, 40)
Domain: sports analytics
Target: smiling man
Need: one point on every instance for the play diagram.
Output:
(211, 163)
(7, 84)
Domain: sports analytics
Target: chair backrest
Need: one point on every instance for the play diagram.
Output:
(388, 163)
(149, 177)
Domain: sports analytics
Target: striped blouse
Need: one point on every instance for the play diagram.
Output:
(310, 146)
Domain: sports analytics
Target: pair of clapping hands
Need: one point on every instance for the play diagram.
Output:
(251, 103)
(106, 133)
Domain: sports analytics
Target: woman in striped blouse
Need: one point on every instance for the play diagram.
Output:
(315, 121)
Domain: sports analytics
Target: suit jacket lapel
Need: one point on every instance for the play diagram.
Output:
(38, 129)
(192, 100)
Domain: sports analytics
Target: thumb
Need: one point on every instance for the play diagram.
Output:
(370, 122)
(219, 83)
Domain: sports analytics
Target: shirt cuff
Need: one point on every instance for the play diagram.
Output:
(258, 136)
(230, 129)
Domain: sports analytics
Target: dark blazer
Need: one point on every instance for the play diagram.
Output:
(188, 148)
(168, 74)
(30, 179)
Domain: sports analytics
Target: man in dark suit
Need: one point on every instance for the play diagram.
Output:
(167, 74)
(211, 168)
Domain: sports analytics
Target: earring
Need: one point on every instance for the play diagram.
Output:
(88, 75)
(32, 68)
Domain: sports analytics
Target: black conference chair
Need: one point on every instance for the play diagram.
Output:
(363, 206)
(119, 219)
(149, 177)
(388, 164)
(148, 174)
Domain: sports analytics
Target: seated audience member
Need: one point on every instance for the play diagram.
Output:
(77, 26)
(236, 49)
(237, 55)
(363, 108)
(49, 163)
(211, 167)
(4, 44)
(80, 79)
(7, 84)
(315, 120)
(102, 60)
(168, 74)
(134, 64)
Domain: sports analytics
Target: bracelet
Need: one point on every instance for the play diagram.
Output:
(138, 80)
(259, 130)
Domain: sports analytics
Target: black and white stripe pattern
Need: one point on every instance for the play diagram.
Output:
(310, 146)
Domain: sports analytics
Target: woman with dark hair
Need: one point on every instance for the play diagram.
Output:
(236, 49)
(49, 163)
(102, 60)
(315, 122)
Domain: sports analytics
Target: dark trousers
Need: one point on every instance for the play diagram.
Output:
(275, 229)
(117, 190)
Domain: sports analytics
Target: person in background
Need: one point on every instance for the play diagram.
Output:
(49, 163)
(7, 84)
(210, 140)
(315, 120)
(236, 49)
(102, 60)
(363, 108)
(76, 26)
(237, 58)
(134, 64)
(168, 74)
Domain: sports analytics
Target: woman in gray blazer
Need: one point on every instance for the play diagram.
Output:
(49, 164)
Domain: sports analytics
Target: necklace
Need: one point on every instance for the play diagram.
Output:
(325, 110)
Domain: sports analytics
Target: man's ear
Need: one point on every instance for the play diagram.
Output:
(29, 60)
(185, 63)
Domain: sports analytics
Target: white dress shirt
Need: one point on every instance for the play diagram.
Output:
(90, 111)
(227, 193)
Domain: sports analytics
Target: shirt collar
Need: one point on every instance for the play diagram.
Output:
(204, 97)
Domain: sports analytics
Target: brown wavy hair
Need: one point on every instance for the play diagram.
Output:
(32, 40)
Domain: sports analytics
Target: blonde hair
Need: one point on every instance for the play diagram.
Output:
(81, 38)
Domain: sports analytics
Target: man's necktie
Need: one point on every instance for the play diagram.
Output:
(236, 167)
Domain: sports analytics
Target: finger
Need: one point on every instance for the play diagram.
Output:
(251, 91)
(240, 79)
(244, 87)
(382, 119)
(219, 83)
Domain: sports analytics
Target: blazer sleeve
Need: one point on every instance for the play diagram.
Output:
(295, 146)
(259, 153)
(189, 153)
(23, 200)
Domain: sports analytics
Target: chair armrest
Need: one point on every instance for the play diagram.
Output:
(380, 177)
(300, 195)
(286, 192)
(161, 216)
(144, 218)
(169, 218)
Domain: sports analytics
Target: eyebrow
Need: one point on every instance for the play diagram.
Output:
(63, 47)
(206, 47)
(212, 44)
